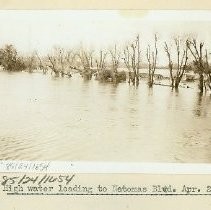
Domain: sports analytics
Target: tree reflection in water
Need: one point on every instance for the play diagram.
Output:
(201, 105)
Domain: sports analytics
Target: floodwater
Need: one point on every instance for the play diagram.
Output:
(46, 118)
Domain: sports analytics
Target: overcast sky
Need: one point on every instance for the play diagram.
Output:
(41, 30)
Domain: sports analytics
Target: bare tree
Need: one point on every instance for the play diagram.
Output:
(181, 63)
(132, 60)
(200, 62)
(31, 62)
(103, 74)
(70, 59)
(152, 61)
(58, 62)
(182, 59)
(207, 71)
(53, 65)
(42, 65)
(101, 61)
(115, 58)
(86, 61)
(170, 64)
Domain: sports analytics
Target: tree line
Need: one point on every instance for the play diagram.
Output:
(106, 65)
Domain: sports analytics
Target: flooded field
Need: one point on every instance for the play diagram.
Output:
(46, 118)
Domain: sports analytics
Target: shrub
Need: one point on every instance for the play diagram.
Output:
(10, 60)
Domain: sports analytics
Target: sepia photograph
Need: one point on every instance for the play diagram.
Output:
(105, 85)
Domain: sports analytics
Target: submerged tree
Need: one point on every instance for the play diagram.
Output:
(181, 63)
(132, 57)
(115, 62)
(101, 61)
(58, 62)
(200, 62)
(115, 57)
(152, 61)
(31, 62)
(86, 61)
(71, 59)
(41, 63)
(53, 65)
(10, 60)
(207, 72)
(103, 74)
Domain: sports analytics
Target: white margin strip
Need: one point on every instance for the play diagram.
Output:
(102, 167)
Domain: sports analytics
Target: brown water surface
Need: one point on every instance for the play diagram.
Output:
(46, 118)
